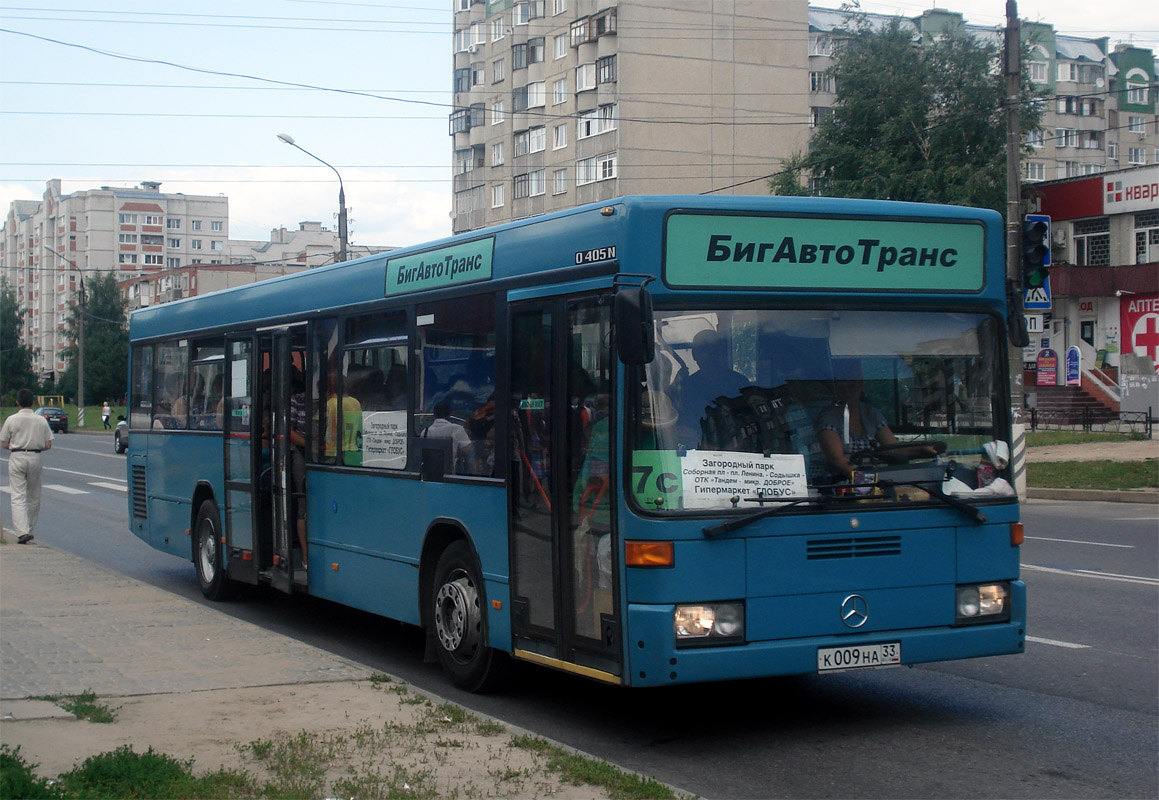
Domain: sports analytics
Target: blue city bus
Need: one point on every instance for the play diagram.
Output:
(650, 441)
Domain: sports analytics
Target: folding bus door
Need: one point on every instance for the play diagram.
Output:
(240, 420)
(563, 541)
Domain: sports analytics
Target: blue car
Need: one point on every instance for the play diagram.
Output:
(57, 419)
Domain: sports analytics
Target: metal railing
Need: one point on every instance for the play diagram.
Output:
(1087, 420)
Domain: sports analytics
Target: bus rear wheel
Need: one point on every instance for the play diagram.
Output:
(457, 615)
(207, 555)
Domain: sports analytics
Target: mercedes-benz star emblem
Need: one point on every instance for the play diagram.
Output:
(854, 611)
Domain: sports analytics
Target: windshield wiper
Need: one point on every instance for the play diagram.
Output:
(973, 512)
(764, 513)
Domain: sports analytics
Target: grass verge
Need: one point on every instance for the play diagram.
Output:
(1115, 475)
(1044, 438)
(579, 769)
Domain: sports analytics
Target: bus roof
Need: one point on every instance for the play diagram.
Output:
(535, 245)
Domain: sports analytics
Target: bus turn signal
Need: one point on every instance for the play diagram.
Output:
(649, 554)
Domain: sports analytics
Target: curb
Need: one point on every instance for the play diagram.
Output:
(1149, 496)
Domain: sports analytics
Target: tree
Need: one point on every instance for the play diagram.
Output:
(106, 342)
(15, 357)
(919, 122)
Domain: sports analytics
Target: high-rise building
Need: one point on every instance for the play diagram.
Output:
(49, 245)
(564, 102)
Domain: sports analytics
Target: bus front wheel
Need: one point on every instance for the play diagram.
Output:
(457, 615)
(207, 556)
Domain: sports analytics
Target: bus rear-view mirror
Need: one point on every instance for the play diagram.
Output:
(635, 333)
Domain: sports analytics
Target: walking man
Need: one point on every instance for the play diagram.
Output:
(25, 435)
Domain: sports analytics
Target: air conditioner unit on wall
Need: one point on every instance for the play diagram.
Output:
(472, 49)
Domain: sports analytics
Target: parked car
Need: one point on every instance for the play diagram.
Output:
(121, 436)
(57, 419)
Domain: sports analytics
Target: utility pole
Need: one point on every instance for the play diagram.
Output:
(1013, 69)
(342, 229)
(80, 357)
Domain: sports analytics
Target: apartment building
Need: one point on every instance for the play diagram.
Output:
(1099, 112)
(49, 244)
(565, 102)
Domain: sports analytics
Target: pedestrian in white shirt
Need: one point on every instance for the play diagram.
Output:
(25, 435)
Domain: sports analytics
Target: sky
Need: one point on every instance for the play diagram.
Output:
(115, 92)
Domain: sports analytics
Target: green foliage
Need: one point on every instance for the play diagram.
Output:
(106, 343)
(916, 122)
(1043, 438)
(126, 774)
(580, 769)
(1112, 475)
(15, 357)
(83, 706)
(18, 779)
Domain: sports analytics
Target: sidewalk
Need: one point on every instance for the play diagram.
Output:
(195, 683)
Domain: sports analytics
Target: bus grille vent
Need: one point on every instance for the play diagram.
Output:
(862, 547)
(139, 505)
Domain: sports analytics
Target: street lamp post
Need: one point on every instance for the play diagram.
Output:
(80, 345)
(288, 139)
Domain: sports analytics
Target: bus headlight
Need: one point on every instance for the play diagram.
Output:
(983, 602)
(709, 623)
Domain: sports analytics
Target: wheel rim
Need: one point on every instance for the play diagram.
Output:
(458, 619)
(207, 550)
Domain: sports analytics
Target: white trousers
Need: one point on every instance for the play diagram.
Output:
(24, 480)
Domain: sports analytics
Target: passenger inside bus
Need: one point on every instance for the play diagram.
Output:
(701, 390)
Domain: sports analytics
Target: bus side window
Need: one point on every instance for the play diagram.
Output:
(323, 382)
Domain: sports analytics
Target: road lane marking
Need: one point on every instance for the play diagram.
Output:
(57, 487)
(1078, 541)
(116, 487)
(1055, 642)
(74, 472)
(1089, 573)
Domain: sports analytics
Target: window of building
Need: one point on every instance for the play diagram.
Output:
(127, 238)
(1066, 137)
(537, 94)
(172, 263)
(459, 121)
(153, 260)
(597, 121)
(558, 7)
(1036, 138)
(559, 181)
(1035, 171)
(497, 196)
(519, 56)
(535, 50)
(153, 219)
(216, 244)
(820, 46)
(1068, 71)
(1038, 71)
(606, 69)
(559, 46)
(1092, 242)
(173, 243)
(195, 224)
(1137, 124)
(536, 182)
(127, 219)
(597, 168)
(559, 92)
(521, 14)
(818, 115)
(537, 139)
(820, 82)
(498, 112)
(1136, 93)
(194, 244)
(173, 224)
(1113, 151)
(521, 143)
(216, 225)
(152, 239)
(559, 136)
(1147, 237)
(475, 115)
(126, 258)
(497, 154)
(1136, 155)
(498, 27)
(585, 77)
(478, 73)
(1091, 140)
(520, 187)
(498, 70)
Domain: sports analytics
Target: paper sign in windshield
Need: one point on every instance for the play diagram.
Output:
(711, 479)
(384, 439)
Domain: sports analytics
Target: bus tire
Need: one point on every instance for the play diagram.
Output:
(458, 620)
(207, 554)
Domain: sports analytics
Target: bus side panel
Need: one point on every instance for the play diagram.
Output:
(366, 532)
(176, 464)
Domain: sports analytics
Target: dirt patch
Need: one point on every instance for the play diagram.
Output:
(357, 731)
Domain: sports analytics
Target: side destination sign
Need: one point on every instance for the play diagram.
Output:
(767, 252)
(435, 269)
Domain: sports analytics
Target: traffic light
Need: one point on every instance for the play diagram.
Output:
(1035, 250)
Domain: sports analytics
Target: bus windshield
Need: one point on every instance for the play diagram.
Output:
(744, 407)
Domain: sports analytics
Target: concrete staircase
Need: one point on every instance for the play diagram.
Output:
(1073, 405)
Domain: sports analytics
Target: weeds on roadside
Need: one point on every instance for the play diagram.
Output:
(83, 706)
(580, 769)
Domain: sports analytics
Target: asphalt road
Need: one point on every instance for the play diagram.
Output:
(1076, 716)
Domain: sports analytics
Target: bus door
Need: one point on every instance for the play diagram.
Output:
(565, 594)
(280, 493)
(240, 416)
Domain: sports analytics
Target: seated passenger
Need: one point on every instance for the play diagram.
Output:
(714, 378)
(444, 428)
